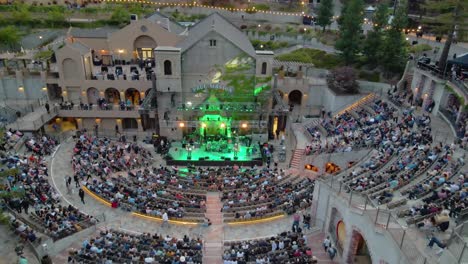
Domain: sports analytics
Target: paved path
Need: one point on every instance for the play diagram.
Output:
(214, 235)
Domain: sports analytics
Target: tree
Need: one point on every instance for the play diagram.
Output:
(395, 45)
(372, 48)
(343, 78)
(9, 37)
(350, 27)
(21, 15)
(325, 14)
(447, 17)
(55, 17)
(120, 15)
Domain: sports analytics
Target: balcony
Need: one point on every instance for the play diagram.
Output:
(131, 72)
(94, 111)
(459, 84)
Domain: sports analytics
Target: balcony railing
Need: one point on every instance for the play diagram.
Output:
(231, 107)
(122, 72)
(435, 71)
(383, 220)
(93, 107)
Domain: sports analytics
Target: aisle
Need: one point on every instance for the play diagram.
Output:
(213, 235)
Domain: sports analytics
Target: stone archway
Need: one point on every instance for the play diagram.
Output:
(295, 97)
(133, 96)
(144, 46)
(112, 96)
(92, 95)
(358, 249)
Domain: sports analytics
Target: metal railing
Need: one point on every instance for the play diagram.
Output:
(382, 218)
(457, 244)
(35, 124)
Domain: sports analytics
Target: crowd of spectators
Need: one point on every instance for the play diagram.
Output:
(30, 187)
(9, 139)
(287, 247)
(253, 193)
(114, 171)
(114, 246)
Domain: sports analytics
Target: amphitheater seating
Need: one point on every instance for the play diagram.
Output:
(122, 247)
(288, 247)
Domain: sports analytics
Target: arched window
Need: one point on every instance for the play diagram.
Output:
(167, 67)
(264, 68)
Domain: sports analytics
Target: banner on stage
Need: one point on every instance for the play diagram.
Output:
(212, 86)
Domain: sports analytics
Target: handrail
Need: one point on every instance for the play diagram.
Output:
(383, 219)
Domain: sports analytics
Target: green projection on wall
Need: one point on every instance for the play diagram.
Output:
(215, 125)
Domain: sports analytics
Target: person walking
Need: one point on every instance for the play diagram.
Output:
(326, 243)
(77, 181)
(47, 107)
(165, 219)
(331, 252)
(81, 194)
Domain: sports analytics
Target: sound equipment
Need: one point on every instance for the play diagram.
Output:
(201, 159)
(227, 159)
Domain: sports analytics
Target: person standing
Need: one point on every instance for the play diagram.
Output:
(25, 205)
(47, 107)
(77, 181)
(81, 194)
(165, 219)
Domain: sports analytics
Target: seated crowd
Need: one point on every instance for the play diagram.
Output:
(149, 191)
(287, 247)
(9, 139)
(113, 246)
(31, 180)
(253, 193)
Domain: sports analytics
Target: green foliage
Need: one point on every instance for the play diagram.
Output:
(268, 45)
(350, 26)
(418, 48)
(120, 16)
(343, 79)
(19, 193)
(369, 76)
(43, 55)
(372, 48)
(9, 37)
(253, 8)
(55, 17)
(180, 17)
(21, 15)
(319, 58)
(325, 13)
(395, 56)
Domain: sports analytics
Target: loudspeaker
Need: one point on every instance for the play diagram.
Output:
(227, 159)
(235, 158)
(207, 158)
(201, 159)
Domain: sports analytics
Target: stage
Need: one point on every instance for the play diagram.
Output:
(204, 155)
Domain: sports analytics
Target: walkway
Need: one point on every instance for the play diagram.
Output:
(214, 235)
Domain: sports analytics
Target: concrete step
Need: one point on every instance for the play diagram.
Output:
(212, 260)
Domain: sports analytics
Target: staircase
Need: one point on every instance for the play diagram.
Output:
(296, 160)
(213, 236)
(314, 241)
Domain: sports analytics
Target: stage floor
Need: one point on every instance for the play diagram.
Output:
(180, 154)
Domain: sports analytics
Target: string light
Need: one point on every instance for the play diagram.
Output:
(194, 4)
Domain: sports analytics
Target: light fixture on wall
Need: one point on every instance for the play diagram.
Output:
(44, 89)
(121, 51)
(21, 89)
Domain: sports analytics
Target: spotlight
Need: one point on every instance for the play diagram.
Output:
(181, 125)
(223, 125)
(244, 125)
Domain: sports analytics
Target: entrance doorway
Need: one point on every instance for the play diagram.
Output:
(295, 97)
